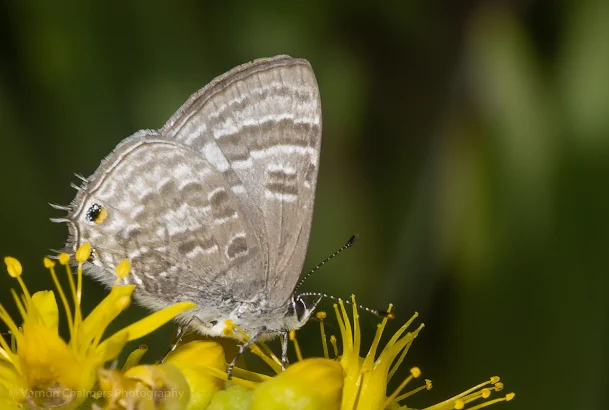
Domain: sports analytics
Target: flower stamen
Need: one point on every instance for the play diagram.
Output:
(50, 265)
(272, 363)
(465, 397)
(267, 350)
(415, 372)
(426, 386)
(296, 345)
(324, 343)
(334, 345)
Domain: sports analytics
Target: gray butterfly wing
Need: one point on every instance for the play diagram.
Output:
(175, 217)
(260, 125)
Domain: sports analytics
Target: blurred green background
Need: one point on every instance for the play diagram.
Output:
(466, 142)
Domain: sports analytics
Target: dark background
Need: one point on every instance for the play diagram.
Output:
(466, 142)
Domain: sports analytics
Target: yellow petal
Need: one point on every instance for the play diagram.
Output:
(109, 349)
(105, 312)
(45, 311)
(312, 384)
(7, 401)
(11, 380)
(134, 357)
(204, 366)
(49, 365)
(152, 322)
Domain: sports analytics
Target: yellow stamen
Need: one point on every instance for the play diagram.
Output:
(507, 397)
(249, 376)
(321, 316)
(458, 398)
(267, 350)
(19, 305)
(296, 345)
(334, 345)
(13, 266)
(79, 286)
(484, 393)
(243, 335)
(255, 349)
(426, 386)
(414, 373)
(244, 383)
(123, 269)
(231, 329)
(64, 258)
(50, 265)
(83, 252)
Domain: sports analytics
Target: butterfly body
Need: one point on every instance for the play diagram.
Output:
(216, 206)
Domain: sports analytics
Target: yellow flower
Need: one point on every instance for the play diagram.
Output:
(366, 379)
(38, 369)
(348, 381)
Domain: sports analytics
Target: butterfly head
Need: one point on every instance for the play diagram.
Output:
(301, 309)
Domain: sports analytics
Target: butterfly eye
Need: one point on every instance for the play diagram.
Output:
(301, 309)
(97, 214)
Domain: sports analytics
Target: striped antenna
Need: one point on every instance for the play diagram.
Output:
(380, 313)
(346, 246)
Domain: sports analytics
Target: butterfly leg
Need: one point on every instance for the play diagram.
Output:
(242, 348)
(284, 350)
(177, 337)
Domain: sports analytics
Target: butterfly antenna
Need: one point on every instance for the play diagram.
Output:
(379, 313)
(346, 246)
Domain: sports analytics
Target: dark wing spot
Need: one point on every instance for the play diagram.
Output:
(282, 176)
(218, 198)
(193, 194)
(168, 189)
(220, 205)
(281, 188)
(187, 246)
(236, 247)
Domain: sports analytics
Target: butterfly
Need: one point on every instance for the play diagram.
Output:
(216, 206)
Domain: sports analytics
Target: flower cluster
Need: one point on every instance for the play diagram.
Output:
(40, 370)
